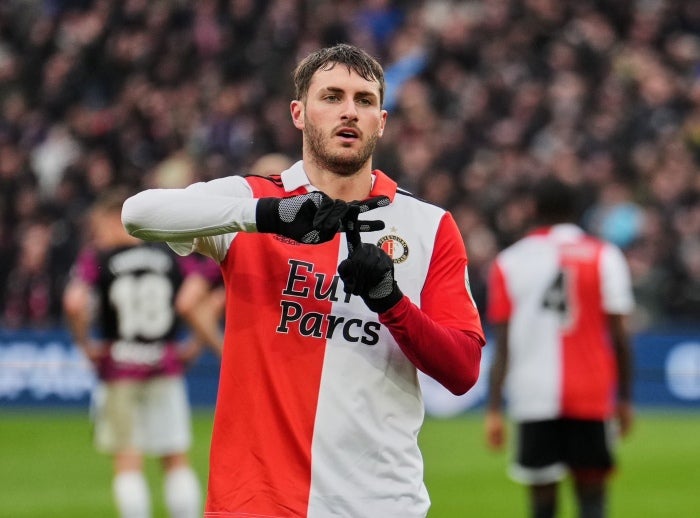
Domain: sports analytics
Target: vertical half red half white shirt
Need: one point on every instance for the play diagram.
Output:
(554, 288)
(318, 409)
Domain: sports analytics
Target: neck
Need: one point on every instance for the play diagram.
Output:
(355, 186)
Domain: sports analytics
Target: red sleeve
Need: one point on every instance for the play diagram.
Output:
(450, 356)
(443, 338)
(445, 295)
(498, 305)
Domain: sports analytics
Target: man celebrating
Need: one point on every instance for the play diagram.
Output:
(319, 405)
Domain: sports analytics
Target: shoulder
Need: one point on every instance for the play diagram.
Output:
(234, 185)
(270, 185)
(524, 245)
(267, 180)
(408, 199)
(87, 266)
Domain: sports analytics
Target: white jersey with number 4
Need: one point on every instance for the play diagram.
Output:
(555, 287)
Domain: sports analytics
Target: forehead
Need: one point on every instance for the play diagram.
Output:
(343, 78)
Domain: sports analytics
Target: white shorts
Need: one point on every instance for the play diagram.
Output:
(150, 416)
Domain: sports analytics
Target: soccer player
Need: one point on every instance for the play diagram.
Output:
(201, 300)
(319, 405)
(557, 300)
(125, 291)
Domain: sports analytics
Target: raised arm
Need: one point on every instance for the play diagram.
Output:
(443, 338)
(226, 206)
(202, 209)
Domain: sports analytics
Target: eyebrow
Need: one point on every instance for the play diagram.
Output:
(361, 93)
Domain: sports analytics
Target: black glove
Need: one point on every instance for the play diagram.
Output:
(369, 272)
(312, 218)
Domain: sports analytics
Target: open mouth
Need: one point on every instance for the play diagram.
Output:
(348, 133)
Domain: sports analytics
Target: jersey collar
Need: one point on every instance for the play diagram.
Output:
(295, 178)
(560, 229)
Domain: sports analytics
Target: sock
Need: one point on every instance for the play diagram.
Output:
(592, 504)
(543, 510)
(543, 501)
(131, 495)
(182, 493)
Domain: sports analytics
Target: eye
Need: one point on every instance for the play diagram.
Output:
(331, 98)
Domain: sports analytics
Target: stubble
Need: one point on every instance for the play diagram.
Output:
(341, 163)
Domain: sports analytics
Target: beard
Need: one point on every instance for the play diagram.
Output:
(342, 163)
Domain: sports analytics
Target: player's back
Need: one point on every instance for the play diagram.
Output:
(554, 274)
(137, 289)
(560, 361)
(137, 318)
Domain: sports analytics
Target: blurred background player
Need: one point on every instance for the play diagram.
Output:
(557, 301)
(126, 291)
(201, 300)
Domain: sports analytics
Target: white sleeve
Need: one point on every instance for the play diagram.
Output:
(200, 217)
(617, 293)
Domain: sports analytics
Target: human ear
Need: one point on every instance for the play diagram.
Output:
(297, 110)
(382, 123)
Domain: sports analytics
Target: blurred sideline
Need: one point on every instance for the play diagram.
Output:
(44, 369)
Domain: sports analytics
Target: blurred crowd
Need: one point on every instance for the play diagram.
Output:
(484, 97)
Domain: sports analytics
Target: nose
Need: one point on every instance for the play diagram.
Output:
(349, 111)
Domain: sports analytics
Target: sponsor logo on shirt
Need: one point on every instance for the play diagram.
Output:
(305, 284)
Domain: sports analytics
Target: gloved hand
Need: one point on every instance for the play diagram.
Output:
(369, 272)
(314, 217)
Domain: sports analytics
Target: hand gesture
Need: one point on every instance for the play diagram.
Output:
(314, 217)
(369, 272)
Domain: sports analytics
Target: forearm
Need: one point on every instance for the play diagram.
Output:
(206, 328)
(450, 356)
(623, 356)
(184, 214)
(76, 308)
(497, 373)
(79, 326)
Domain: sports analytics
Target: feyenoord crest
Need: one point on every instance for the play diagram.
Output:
(395, 247)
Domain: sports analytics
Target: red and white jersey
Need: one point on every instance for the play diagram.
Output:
(554, 288)
(318, 408)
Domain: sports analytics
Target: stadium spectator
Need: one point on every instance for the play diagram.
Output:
(30, 292)
(492, 93)
(319, 406)
(557, 300)
(120, 304)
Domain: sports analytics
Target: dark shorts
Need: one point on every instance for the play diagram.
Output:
(547, 450)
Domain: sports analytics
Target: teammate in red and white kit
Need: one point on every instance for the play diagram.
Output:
(319, 404)
(126, 292)
(557, 300)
